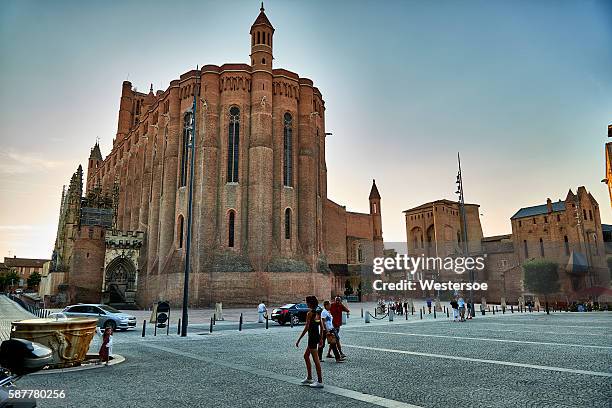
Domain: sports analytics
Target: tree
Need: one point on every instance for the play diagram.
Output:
(542, 277)
(33, 280)
(348, 288)
(8, 279)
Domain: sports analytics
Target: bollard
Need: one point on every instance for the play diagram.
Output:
(406, 314)
(511, 309)
(494, 311)
(434, 312)
(144, 325)
(483, 311)
(447, 313)
(240, 324)
(178, 329)
(375, 312)
(391, 313)
(367, 317)
(421, 313)
(266, 321)
(211, 325)
(155, 329)
(503, 310)
(362, 312)
(413, 310)
(291, 320)
(214, 319)
(168, 328)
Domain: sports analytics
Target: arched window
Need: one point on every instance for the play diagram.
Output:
(231, 222)
(233, 143)
(288, 223)
(288, 150)
(566, 242)
(258, 37)
(185, 147)
(541, 248)
(525, 248)
(179, 230)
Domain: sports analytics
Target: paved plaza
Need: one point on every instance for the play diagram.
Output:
(509, 360)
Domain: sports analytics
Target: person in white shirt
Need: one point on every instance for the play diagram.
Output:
(261, 310)
(329, 334)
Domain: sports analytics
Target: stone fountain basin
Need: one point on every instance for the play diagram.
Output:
(68, 338)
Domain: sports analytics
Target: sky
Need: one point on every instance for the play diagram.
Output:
(523, 89)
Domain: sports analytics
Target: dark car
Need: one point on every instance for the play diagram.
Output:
(295, 312)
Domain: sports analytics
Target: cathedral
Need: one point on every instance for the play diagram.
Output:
(263, 227)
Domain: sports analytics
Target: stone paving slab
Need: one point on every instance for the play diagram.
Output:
(259, 367)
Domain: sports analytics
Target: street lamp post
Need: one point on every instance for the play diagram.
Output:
(190, 124)
(459, 192)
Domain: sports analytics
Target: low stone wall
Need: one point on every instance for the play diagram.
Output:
(233, 288)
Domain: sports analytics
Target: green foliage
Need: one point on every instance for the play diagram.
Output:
(5, 279)
(348, 288)
(34, 280)
(541, 276)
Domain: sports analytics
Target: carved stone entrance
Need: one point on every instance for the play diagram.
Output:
(120, 279)
(121, 267)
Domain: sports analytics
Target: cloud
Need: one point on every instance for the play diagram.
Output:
(13, 162)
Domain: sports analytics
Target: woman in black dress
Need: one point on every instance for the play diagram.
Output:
(314, 327)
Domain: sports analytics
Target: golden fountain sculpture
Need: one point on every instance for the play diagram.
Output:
(69, 338)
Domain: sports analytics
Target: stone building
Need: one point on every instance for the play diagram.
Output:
(608, 178)
(263, 226)
(24, 268)
(568, 232)
(435, 229)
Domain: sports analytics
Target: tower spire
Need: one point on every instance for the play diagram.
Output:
(262, 7)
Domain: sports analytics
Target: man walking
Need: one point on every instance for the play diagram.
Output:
(261, 311)
(336, 310)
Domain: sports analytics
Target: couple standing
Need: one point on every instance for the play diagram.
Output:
(321, 325)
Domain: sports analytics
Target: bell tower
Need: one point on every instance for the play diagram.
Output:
(261, 42)
(375, 213)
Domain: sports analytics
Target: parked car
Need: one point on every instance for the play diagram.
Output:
(295, 312)
(107, 316)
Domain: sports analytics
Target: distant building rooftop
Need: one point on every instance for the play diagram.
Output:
(538, 210)
(430, 204)
(24, 262)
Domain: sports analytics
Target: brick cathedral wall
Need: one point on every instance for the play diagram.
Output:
(235, 288)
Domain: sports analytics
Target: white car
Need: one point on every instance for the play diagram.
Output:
(107, 316)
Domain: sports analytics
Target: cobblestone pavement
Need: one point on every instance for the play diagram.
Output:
(10, 311)
(509, 360)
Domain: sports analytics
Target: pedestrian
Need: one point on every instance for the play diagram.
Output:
(405, 307)
(455, 307)
(468, 307)
(314, 328)
(461, 304)
(429, 304)
(329, 334)
(262, 311)
(336, 310)
(106, 349)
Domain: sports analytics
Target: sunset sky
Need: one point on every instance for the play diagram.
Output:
(523, 89)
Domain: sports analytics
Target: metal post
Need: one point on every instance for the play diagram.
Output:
(144, 326)
(421, 313)
(193, 138)
(266, 322)
(155, 329)
(240, 324)
(465, 237)
(211, 324)
(214, 319)
(178, 329)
